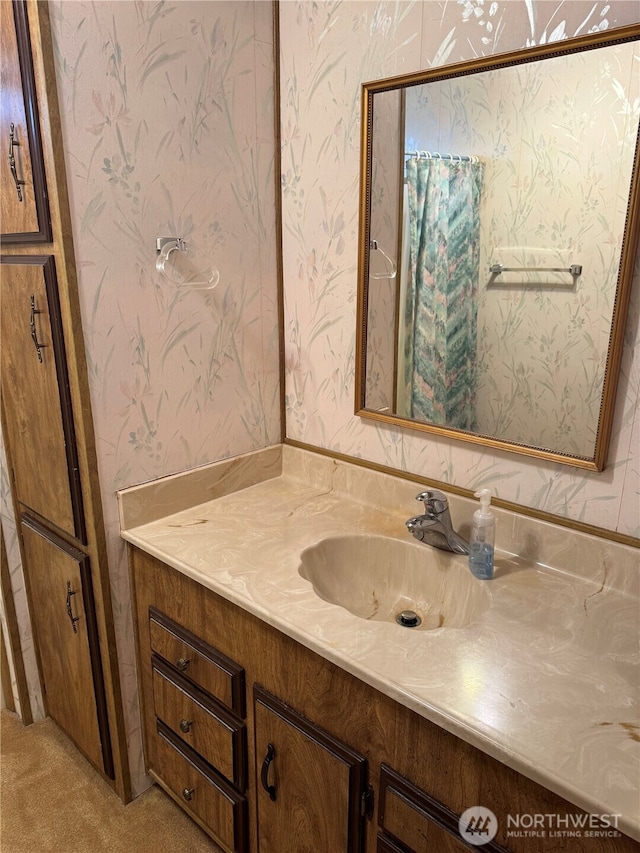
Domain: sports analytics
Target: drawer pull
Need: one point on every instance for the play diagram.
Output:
(12, 161)
(185, 726)
(182, 664)
(32, 324)
(73, 619)
(264, 773)
(188, 793)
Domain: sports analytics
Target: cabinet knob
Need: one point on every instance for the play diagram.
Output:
(185, 726)
(182, 664)
(188, 793)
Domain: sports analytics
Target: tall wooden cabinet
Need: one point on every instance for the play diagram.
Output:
(46, 412)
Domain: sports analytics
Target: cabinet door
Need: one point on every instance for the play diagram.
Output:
(35, 393)
(310, 786)
(25, 209)
(63, 619)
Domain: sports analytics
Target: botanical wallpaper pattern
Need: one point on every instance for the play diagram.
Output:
(167, 117)
(327, 50)
(555, 194)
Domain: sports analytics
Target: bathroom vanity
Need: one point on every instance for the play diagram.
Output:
(272, 713)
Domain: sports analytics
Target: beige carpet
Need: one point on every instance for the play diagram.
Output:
(52, 801)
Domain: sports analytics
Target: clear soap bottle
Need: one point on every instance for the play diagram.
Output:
(483, 534)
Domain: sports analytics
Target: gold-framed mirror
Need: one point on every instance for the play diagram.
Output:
(499, 219)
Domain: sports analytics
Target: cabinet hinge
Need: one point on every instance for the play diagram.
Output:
(366, 803)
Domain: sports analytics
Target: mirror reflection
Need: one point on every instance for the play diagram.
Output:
(497, 202)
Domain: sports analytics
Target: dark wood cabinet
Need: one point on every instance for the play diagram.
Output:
(63, 617)
(332, 764)
(311, 784)
(24, 202)
(47, 424)
(196, 739)
(38, 417)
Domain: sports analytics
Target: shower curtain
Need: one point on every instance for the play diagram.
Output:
(441, 305)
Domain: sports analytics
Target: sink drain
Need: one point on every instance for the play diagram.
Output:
(408, 619)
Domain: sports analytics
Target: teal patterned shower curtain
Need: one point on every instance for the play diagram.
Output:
(441, 305)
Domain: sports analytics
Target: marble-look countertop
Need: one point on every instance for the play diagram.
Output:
(545, 679)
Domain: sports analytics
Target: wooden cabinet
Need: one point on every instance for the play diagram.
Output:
(66, 634)
(311, 785)
(25, 208)
(350, 769)
(36, 398)
(47, 424)
(196, 738)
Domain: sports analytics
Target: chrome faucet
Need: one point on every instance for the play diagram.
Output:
(435, 527)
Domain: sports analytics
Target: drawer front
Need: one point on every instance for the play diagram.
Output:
(219, 737)
(201, 791)
(205, 666)
(387, 845)
(416, 821)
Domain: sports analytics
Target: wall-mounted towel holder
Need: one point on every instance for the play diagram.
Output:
(179, 268)
(574, 269)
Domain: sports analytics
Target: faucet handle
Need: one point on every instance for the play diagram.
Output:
(434, 501)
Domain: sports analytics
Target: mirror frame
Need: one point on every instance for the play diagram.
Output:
(629, 246)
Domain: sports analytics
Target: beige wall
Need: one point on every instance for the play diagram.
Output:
(327, 51)
(167, 119)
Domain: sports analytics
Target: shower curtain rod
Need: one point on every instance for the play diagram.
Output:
(429, 155)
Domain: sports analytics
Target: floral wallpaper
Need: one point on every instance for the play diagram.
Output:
(555, 194)
(327, 50)
(167, 119)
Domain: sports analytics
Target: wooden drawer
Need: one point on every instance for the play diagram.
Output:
(219, 737)
(201, 791)
(415, 822)
(387, 845)
(215, 673)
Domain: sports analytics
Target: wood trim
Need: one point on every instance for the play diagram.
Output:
(421, 802)
(387, 845)
(5, 676)
(520, 509)
(84, 567)
(14, 636)
(222, 662)
(277, 175)
(59, 349)
(44, 234)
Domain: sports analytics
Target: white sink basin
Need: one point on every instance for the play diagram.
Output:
(376, 577)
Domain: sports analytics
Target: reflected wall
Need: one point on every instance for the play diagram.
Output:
(327, 51)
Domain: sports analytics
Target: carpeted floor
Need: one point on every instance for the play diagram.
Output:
(52, 801)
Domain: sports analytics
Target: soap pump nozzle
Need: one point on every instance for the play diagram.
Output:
(485, 503)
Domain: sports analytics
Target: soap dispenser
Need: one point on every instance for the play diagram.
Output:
(483, 533)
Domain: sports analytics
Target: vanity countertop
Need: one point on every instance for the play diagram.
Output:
(545, 680)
